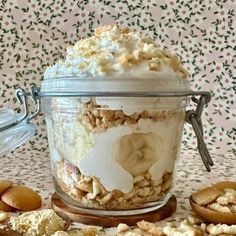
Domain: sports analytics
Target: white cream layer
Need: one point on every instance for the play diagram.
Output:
(100, 158)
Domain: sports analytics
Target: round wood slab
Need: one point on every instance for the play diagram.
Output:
(112, 221)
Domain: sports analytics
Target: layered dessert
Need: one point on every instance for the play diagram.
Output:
(116, 152)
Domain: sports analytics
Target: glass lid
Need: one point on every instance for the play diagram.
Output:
(13, 137)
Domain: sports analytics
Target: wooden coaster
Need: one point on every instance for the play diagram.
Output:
(112, 221)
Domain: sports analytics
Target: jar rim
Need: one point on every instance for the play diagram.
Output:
(75, 84)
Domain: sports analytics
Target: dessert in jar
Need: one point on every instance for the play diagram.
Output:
(114, 152)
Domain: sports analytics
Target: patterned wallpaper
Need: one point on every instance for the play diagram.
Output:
(35, 34)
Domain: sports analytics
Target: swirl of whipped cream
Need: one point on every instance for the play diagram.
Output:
(115, 52)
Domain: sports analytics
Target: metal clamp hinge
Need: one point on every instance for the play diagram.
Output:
(194, 118)
(22, 98)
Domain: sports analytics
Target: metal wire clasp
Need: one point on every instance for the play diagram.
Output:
(22, 97)
(193, 117)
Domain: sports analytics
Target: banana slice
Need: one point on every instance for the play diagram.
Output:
(138, 152)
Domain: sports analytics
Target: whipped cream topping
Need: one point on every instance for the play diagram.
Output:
(113, 51)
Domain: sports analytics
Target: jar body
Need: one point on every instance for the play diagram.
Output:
(114, 157)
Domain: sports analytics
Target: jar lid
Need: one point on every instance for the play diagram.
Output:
(13, 137)
(113, 84)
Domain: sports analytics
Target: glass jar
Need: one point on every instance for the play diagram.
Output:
(114, 152)
(114, 142)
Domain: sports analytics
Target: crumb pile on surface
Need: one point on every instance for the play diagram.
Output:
(37, 223)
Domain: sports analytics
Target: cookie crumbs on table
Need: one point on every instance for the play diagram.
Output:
(191, 226)
(37, 223)
(89, 231)
(221, 229)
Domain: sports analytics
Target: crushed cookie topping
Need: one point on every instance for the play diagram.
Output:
(114, 51)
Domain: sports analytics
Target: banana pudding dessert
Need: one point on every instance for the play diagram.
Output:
(109, 151)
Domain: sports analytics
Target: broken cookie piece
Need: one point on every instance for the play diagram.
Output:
(229, 197)
(219, 208)
(217, 204)
(221, 229)
(206, 195)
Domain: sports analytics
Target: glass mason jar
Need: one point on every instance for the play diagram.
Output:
(113, 142)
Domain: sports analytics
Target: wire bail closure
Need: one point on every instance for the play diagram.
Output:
(193, 117)
(22, 98)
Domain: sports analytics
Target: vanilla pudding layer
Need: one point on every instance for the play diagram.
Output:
(130, 156)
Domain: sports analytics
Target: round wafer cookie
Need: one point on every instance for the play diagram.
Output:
(22, 198)
(5, 184)
(5, 207)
